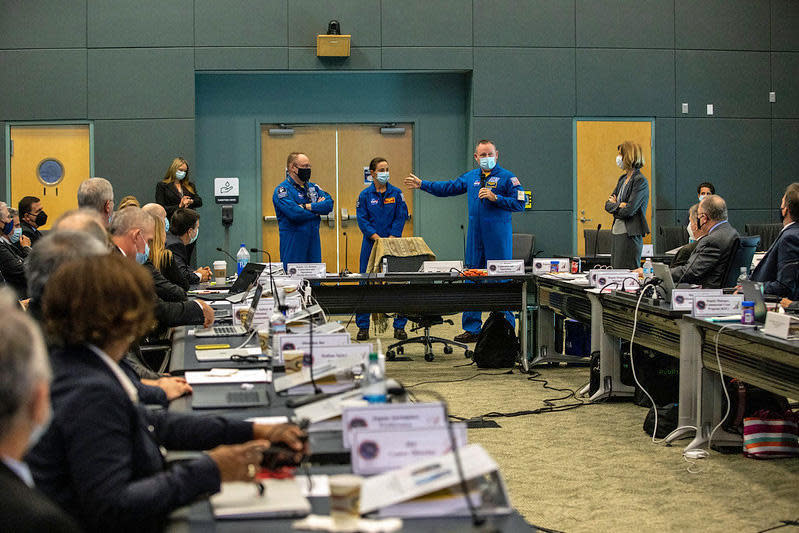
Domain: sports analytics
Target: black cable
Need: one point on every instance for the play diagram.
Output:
(462, 379)
(783, 523)
(359, 302)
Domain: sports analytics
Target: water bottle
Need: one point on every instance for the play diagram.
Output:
(649, 270)
(374, 390)
(242, 258)
(742, 277)
(277, 324)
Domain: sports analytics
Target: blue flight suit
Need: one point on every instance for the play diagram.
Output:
(299, 228)
(490, 233)
(384, 214)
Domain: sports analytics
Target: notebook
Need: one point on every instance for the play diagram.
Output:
(282, 498)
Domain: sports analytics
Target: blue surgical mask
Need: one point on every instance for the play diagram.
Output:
(166, 224)
(8, 227)
(179, 174)
(382, 177)
(16, 235)
(142, 258)
(196, 233)
(488, 163)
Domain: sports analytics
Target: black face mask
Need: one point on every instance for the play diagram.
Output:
(304, 174)
(41, 218)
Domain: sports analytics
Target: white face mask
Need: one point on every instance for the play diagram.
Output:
(179, 174)
(702, 197)
(620, 162)
(691, 237)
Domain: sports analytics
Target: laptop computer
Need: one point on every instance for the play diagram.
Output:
(226, 395)
(248, 276)
(231, 331)
(662, 271)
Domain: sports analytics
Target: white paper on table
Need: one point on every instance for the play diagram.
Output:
(268, 420)
(226, 375)
(327, 408)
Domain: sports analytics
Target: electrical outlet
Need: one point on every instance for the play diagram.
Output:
(709, 109)
(685, 107)
(772, 97)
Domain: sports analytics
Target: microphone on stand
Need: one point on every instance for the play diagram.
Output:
(596, 240)
(482, 183)
(280, 306)
(218, 249)
(463, 232)
(346, 271)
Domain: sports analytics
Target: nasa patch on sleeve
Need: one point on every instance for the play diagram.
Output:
(282, 192)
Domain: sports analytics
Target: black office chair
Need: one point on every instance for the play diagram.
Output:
(768, 234)
(524, 248)
(742, 254)
(425, 322)
(670, 237)
(603, 247)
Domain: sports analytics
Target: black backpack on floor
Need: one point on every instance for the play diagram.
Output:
(497, 345)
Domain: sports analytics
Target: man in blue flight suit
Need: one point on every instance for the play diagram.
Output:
(382, 213)
(494, 193)
(298, 206)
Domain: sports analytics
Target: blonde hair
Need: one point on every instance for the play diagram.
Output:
(128, 201)
(170, 177)
(159, 255)
(632, 155)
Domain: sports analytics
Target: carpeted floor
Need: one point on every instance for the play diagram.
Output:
(593, 468)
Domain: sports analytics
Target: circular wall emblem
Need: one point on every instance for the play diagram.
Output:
(50, 171)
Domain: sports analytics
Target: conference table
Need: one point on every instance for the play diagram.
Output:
(328, 456)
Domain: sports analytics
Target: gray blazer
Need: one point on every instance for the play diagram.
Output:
(708, 262)
(636, 194)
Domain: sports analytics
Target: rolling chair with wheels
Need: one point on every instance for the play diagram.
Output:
(602, 246)
(742, 254)
(524, 248)
(425, 322)
(768, 234)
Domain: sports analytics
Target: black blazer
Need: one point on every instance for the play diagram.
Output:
(180, 259)
(778, 269)
(25, 509)
(30, 232)
(636, 194)
(101, 460)
(165, 287)
(168, 196)
(708, 262)
(12, 268)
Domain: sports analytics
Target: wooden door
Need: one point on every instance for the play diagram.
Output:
(597, 173)
(358, 145)
(318, 142)
(50, 162)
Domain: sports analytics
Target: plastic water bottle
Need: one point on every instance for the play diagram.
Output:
(242, 258)
(649, 270)
(375, 389)
(742, 277)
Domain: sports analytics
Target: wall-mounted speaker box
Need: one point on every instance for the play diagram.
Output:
(333, 45)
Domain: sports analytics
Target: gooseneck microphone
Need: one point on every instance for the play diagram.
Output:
(218, 249)
(346, 271)
(596, 240)
(463, 233)
(280, 306)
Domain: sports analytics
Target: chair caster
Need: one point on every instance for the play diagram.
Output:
(428, 357)
(468, 354)
(390, 355)
(447, 349)
(400, 350)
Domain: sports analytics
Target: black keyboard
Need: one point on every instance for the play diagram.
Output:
(243, 397)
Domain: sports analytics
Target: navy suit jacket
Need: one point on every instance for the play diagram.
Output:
(101, 457)
(778, 268)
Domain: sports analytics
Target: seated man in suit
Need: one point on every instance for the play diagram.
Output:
(11, 259)
(183, 230)
(24, 413)
(97, 194)
(32, 217)
(779, 267)
(707, 265)
(685, 251)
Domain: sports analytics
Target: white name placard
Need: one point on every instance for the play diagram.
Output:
(326, 409)
(391, 416)
(617, 281)
(441, 266)
(375, 451)
(505, 267)
(544, 265)
(301, 341)
(594, 272)
(683, 299)
(306, 270)
(724, 305)
(781, 325)
(327, 360)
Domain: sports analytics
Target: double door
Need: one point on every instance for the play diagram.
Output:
(339, 154)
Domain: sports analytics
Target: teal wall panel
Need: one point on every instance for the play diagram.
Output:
(785, 73)
(360, 59)
(784, 21)
(42, 24)
(722, 24)
(427, 22)
(241, 23)
(309, 18)
(427, 58)
(625, 83)
(524, 23)
(241, 58)
(112, 23)
(230, 107)
(608, 23)
(27, 87)
(784, 154)
(552, 230)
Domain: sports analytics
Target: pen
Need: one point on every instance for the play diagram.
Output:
(211, 346)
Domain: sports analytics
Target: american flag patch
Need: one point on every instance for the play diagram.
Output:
(515, 181)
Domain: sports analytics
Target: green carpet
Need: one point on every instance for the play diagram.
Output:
(594, 468)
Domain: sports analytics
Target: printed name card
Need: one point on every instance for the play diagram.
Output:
(781, 325)
(724, 305)
(544, 265)
(375, 451)
(327, 360)
(595, 272)
(391, 416)
(683, 299)
(306, 270)
(617, 281)
(301, 341)
(505, 267)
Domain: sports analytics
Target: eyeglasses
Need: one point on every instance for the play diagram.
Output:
(249, 358)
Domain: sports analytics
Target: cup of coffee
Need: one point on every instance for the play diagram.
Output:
(345, 497)
(220, 271)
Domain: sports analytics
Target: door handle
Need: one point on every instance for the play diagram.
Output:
(270, 218)
(584, 220)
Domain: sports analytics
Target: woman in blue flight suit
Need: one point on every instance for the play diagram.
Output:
(493, 195)
(298, 206)
(382, 212)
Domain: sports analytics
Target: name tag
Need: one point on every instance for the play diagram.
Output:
(683, 299)
(594, 272)
(391, 416)
(617, 281)
(377, 451)
(389, 200)
(505, 267)
(307, 270)
(544, 265)
(724, 305)
(301, 341)
(327, 361)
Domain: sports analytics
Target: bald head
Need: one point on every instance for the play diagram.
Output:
(156, 210)
(87, 220)
(714, 207)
